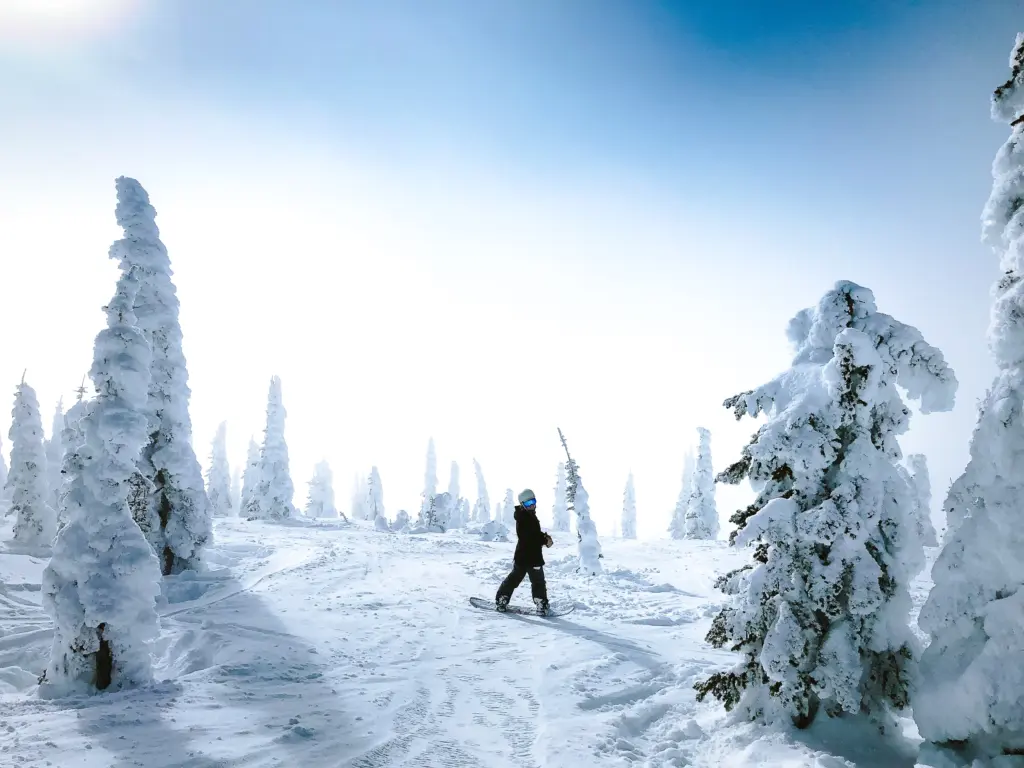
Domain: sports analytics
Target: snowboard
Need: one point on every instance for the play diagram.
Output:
(553, 610)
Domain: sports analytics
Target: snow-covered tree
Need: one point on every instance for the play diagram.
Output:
(401, 522)
(916, 475)
(102, 582)
(250, 479)
(629, 510)
(560, 509)
(72, 439)
(435, 517)
(460, 507)
(218, 477)
(4, 496)
(494, 530)
(579, 503)
(482, 508)
(429, 481)
(822, 618)
(321, 493)
(375, 498)
(275, 493)
(971, 691)
(360, 497)
(677, 527)
(508, 509)
(701, 519)
(55, 456)
(169, 499)
(36, 521)
(236, 487)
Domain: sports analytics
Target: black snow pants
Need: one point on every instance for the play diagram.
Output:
(538, 586)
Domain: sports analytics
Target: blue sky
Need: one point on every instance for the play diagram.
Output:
(476, 219)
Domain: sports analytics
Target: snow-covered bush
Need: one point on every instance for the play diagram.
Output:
(55, 457)
(274, 495)
(579, 502)
(320, 502)
(560, 509)
(629, 510)
(218, 478)
(102, 582)
(28, 489)
(971, 694)
(701, 518)
(250, 479)
(482, 508)
(824, 619)
(494, 530)
(677, 526)
(401, 521)
(169, 499)
(915, 473)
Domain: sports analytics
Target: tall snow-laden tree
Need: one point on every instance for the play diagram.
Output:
(560, 509)
(701, 519)
(677, 526)
(822, 616)
(218, 477)
(971, 692)
(579, 503)
(36, 521)
(482, 508)
(508, 509)
(458, 518)
(916, 475)
(629, 510)
(4, 496)
(72, 439)
(102, 582)
(55, 456)
(321, 493)
(169, 499)
(429, 480)
(250, 479)
(236, 488)
(375, 497)
(274, 495)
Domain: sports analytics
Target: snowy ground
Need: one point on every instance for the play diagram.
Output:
(340, 646)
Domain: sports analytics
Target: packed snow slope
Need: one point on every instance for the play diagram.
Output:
(336, 645)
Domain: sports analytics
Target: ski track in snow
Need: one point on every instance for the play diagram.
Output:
(336, 645)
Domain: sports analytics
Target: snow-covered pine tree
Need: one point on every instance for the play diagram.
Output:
(102, 582)
(822, 619)
(629, 510)
(456, 520)
(375, 499)
(360, 495)
(916, 475)
(274, 496)
(55, 456)
(218, 477)
(169, 499)
(429, 483)
(72, 439)
(560, 509)
(971, 691)
(508, 509)
(579, 503)
(250, 480)
(236, 488)
(482, 508)
(4, 495)
(494, 530)
(401, 522)
(677, 527)
(36, 521)
(321, 492)
(435, 517)
(701, 519)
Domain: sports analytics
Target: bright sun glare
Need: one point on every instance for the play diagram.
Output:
(34, 21)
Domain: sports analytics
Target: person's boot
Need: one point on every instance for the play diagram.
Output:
(501, 603)
(542, 606)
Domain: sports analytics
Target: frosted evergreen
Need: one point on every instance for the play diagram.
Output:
(677, 526)
(560, 509)
(482, 507)
(320, 502)
(218, 477)
(29, 492)
(915, 473)
(508, 509)
(701, 518)
(822, 617)
(250, 479)
(375, 498)
(629, 510)
(55, 456)
(588, 547)
(72, 439)
(429, 481)
(273, 498)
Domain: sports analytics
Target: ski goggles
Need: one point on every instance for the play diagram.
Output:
(530, 503)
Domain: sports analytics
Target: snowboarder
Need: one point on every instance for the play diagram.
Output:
(529, 557)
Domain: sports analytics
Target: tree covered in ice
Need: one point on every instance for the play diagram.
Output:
(494, 530)
(677, 526)
(55, 456)
(629, 510)
(578, 500)
(168, 498)
(236, 488)
(4, 495)
(401, 521)
(435, 517)
(459, 516)
(701, 518)
(375, 497)
(250, 479)
(218, 477)
(822, 618)
(429, 480)
(72, 439)
(102, 582)
(360, 497)
(482, 507)
(971, 694)
(508, 508)
(320, 502)
(915, 473)
(274, 496)
(35, 520)
(560, 509)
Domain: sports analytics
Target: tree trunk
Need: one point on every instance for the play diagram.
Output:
(104, 661)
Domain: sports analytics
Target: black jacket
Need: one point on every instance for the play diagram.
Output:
(529, 550)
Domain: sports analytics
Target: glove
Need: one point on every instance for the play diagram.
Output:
(549, 542)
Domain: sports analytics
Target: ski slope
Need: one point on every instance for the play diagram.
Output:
(336, 645)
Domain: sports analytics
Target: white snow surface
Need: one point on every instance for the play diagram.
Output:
(322, 644)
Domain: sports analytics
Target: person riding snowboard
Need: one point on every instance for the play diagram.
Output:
(529, 558)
